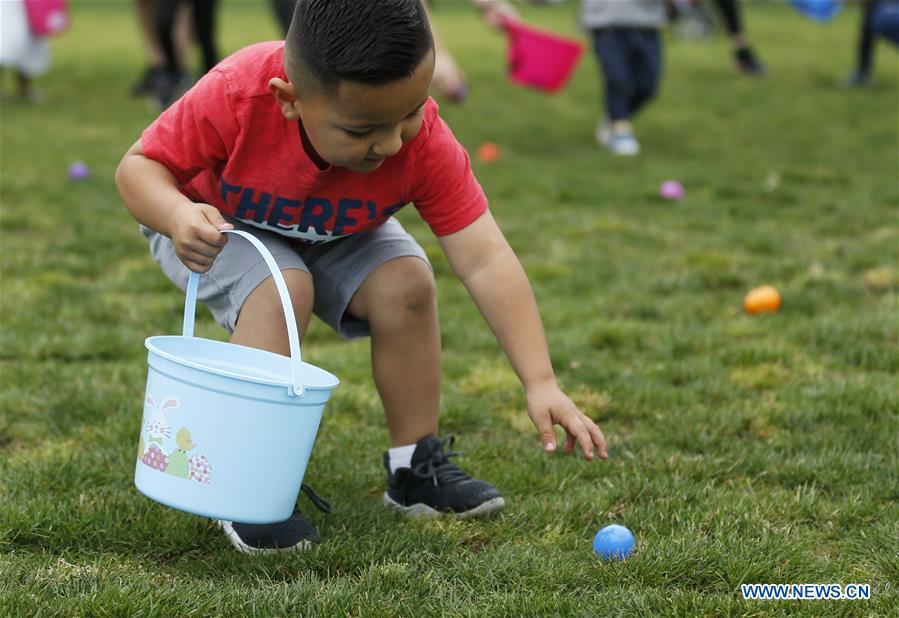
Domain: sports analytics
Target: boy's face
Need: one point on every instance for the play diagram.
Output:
(357, 125)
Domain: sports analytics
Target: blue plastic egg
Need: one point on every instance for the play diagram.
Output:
(613, 542)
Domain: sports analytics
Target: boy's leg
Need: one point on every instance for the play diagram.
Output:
(398, 299)
(611, 48)
(399, 302)
(261, 323)
(379, 283)
(646, 57)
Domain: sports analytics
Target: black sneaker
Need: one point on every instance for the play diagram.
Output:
(293, 534)
(170, 86)
(748, 63)
(434, 485)
(148, 82)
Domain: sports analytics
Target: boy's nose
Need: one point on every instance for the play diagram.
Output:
(390, 145)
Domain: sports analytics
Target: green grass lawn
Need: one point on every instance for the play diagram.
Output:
(742, 449)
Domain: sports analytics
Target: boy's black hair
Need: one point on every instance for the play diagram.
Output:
(368, 41)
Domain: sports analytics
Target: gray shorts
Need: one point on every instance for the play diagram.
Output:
(338, 269)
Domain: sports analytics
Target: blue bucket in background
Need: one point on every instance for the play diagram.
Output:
(819, 10)
(227, 430)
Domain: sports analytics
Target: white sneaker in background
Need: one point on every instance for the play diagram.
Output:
(604, 132)
(624, 144)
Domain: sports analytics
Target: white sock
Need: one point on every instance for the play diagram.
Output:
(401, 457)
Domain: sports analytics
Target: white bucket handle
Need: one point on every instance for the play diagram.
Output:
(293, 337)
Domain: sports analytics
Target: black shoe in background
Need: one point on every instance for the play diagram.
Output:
(170, 86)
(148, 82)
(293, 534)
(433, 485)
(747, 62)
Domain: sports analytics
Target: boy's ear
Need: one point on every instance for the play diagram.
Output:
(284, 95)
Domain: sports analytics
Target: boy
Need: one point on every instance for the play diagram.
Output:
(627, 42)
(313, 144)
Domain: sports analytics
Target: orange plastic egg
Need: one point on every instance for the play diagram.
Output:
(488, 152)
(764, 299)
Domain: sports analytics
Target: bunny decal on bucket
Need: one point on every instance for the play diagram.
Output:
(158, 452)
(252, 413)
(157, 426)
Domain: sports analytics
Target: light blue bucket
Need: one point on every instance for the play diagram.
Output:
(227, 430)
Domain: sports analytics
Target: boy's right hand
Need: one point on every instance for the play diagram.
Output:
(196, 235)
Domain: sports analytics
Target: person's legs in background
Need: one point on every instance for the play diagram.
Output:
(879, 17)
(861, 76)
(156, 61)
(283, 10)
(885, 21)
(646, 67)
(176, 78)
(183, 33)
(27, 90)
(152, 51)
(173, 77)
(745, 59)
(204, 30)
(615, 131)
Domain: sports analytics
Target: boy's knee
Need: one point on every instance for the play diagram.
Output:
(408, 288)
(265, 302)
(299, 287)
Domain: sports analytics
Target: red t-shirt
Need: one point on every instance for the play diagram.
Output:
(228, 144)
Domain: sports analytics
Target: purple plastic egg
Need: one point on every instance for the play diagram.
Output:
(79, 171)
(671, 190)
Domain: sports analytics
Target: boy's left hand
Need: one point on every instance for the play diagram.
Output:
(549, 406)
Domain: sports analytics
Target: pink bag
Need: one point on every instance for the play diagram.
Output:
(47, 17)
(540, 59)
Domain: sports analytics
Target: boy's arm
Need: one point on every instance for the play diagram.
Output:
(483, 260)
(151, 195)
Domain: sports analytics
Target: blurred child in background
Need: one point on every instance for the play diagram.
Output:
(21, 50)
(628, 45)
